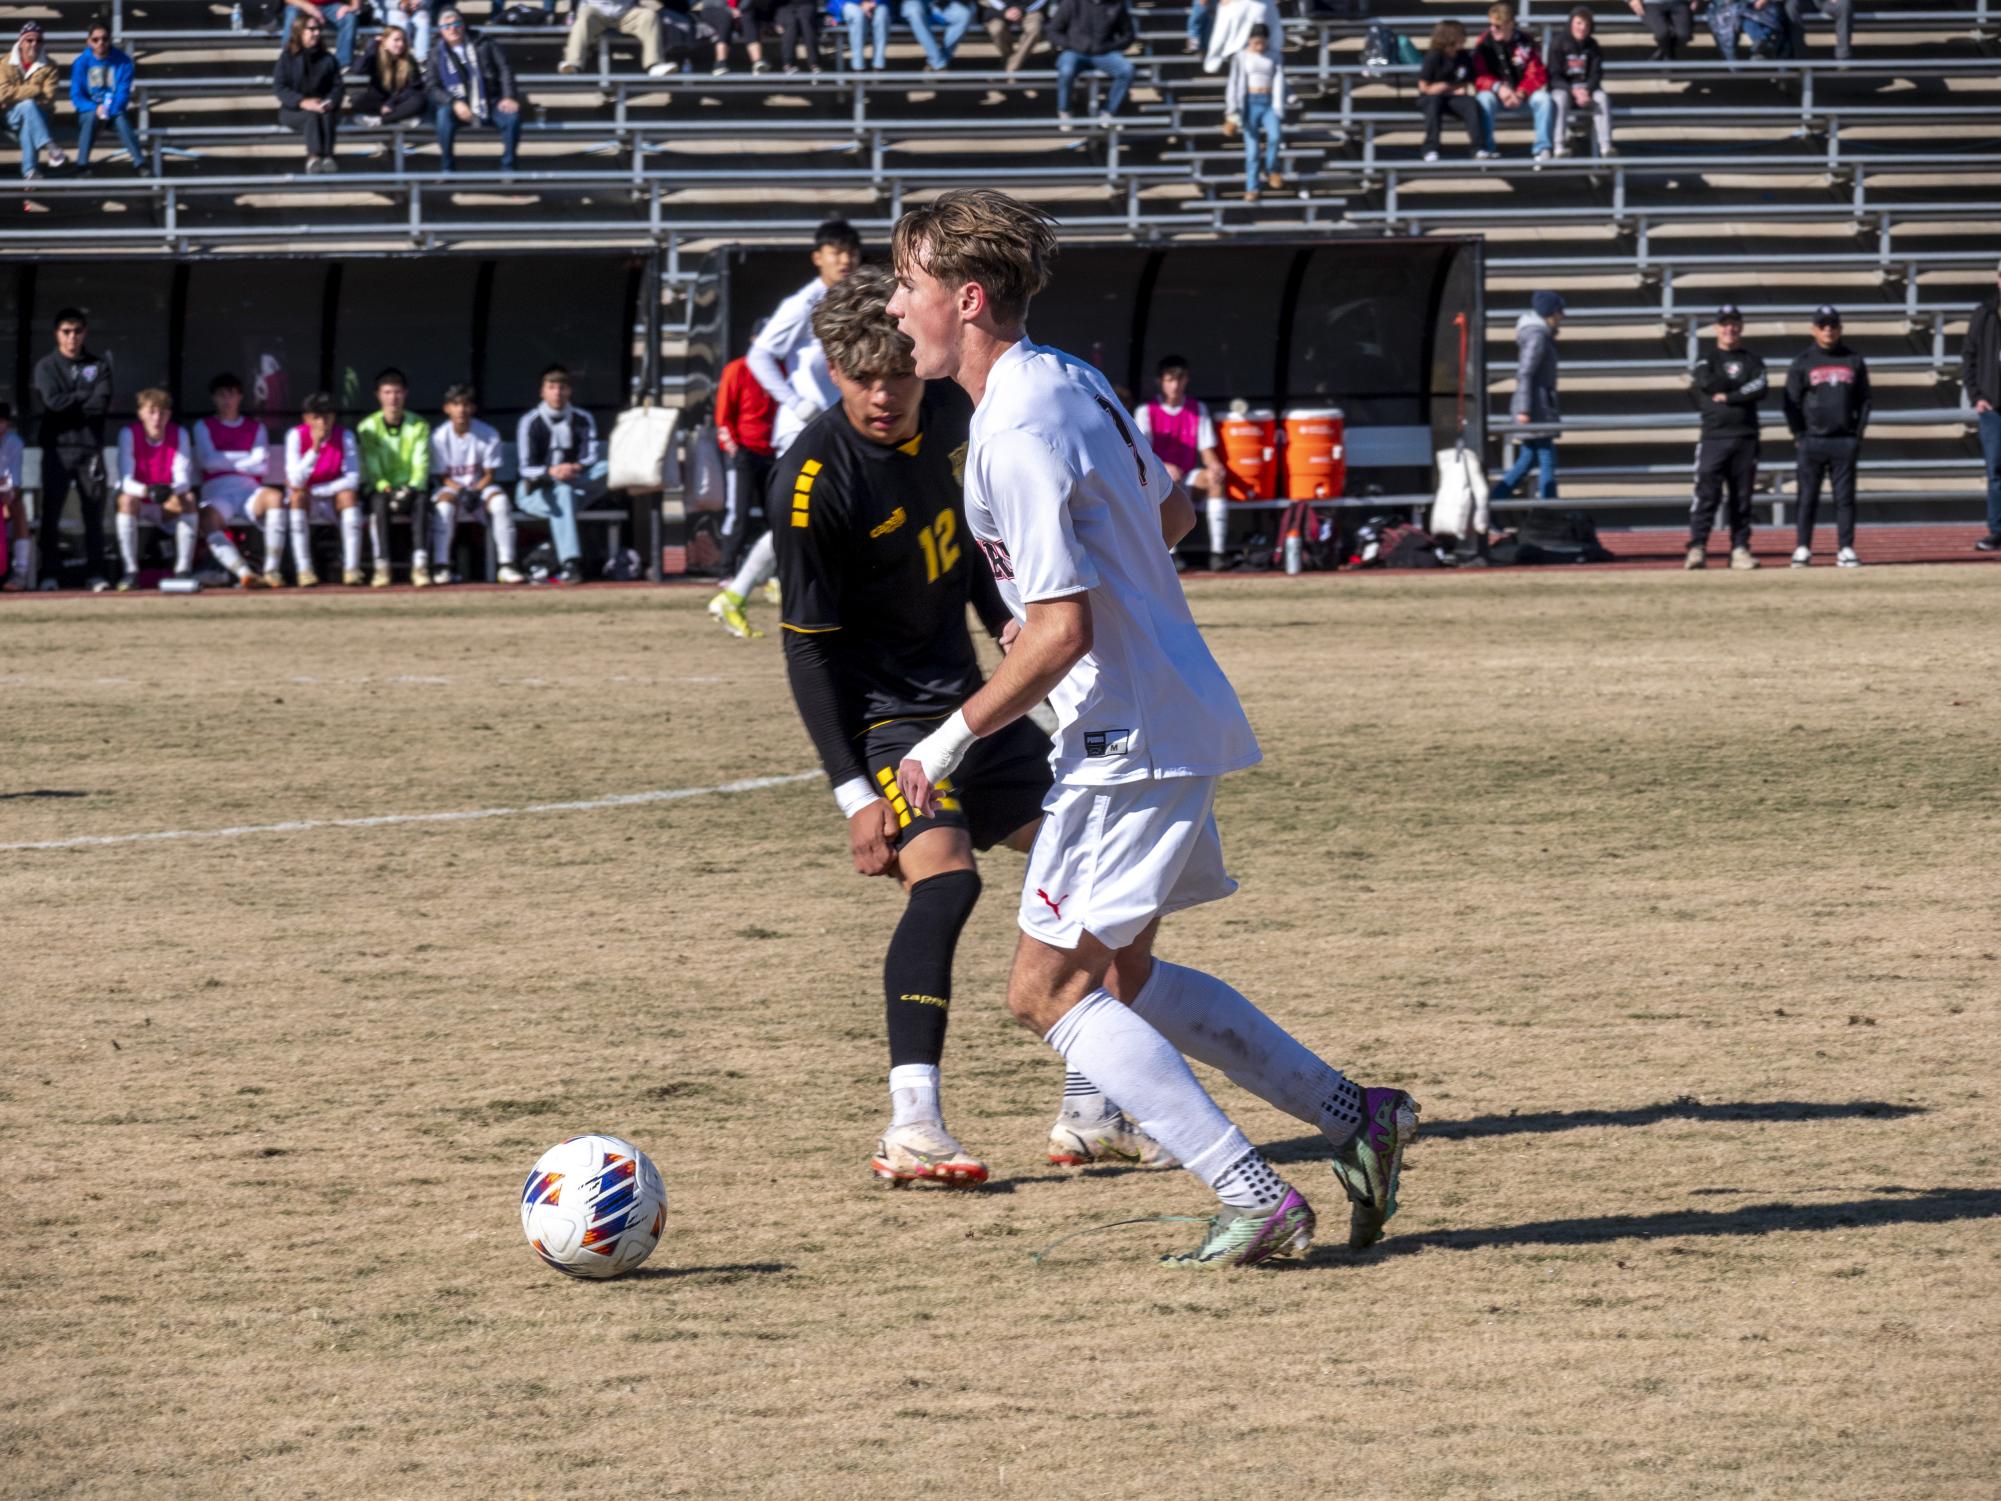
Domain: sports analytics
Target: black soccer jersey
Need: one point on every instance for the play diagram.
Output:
(874, 559)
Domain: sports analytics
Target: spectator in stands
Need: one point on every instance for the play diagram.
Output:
(1255, 103)
(73, 394)
(1182, 434)
(1827, 408)
(1201, 24)
(100, 87)
(1841, 12)
(1509, 74)
(1231, 30)
(233, 465)
(1093, 34)
(1980, 380)
(156, 479)
(1445, 85)
(342, 19)
(465, 453)
(744, 417)
(798, 34)
(1762, 25)
(859, 17)
(1019, 20)
(323, 483)
(417, 21)
(395, 446)
(1577, 81)
(633, 18)
(1535, 395)
(556, 452)
(392, 85)
(14, 537)
(1672, 23)
(740, 21)
(309, 88)
(951, 17)
(468, 82)
(28, 98)
(1729, 382)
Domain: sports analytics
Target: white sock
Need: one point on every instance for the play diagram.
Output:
(128, 542)
(1213, 1024)
(758, 565)
(444, 522)
(302, 539)
(350, 539)
(1219, 524)
(913, 1093)
(224, 551)
(1084, 1101)
(22, 563)
(274, 539)
(1112, 1044)
(378, 539)
(503, 530)
(186, 532)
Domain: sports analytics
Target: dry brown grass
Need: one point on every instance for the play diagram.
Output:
(1672, 898)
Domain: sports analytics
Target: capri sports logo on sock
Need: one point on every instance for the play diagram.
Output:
(1055, 903)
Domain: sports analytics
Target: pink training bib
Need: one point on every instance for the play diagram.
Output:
(153, 463)
(1175, 434)
(329, 463)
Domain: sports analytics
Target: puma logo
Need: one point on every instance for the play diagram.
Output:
(1055, 902)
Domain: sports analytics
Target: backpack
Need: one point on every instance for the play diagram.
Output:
(1319, 540)
(1559, 537)
(1392, 542)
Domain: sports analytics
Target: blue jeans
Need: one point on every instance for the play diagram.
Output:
(958, 16)
(1260, 119)
(1540, 105)
(343, 30)
(509, 126)
(86, 133)
(852, 18)
(1114, 65)
(1536, 453)
(26, 121)
(1201, 21)
(1990, 445)
(557, 503)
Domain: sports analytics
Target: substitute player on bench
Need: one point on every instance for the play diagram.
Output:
(1075, 514)
(876, 577)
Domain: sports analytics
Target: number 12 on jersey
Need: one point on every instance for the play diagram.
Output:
(941, 546)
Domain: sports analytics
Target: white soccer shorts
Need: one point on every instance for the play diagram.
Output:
(231, 495)
(1109, 860)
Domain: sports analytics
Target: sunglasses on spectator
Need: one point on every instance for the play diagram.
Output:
(97, 36)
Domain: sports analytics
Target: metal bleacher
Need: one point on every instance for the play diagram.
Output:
(1776, 184)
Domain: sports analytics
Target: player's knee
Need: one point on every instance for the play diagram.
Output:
(946, 900)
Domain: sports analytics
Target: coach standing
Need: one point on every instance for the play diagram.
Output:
(1980, 379)
(1827, 408)
(73, 393)
(1730, 382)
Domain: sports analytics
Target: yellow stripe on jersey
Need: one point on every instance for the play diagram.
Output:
(802, 492)
(809, 630)
(916, 442)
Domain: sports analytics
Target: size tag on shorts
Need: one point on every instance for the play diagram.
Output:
(1108, 742)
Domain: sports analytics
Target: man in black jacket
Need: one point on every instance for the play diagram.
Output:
(1827, 408)
(469, 82)
(1980, 379)
(73, 393)
(1092, 34)
(1729, 382)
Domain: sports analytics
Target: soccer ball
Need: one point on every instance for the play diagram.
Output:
(593, 1206)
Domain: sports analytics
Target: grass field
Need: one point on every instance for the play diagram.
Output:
(1672, 898)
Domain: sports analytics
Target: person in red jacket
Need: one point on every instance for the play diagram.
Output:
(1509, 74)
(744, 412)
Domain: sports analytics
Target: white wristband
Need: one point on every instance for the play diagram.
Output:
(941, 751)
(855, 794)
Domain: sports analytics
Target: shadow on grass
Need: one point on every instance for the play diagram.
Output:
(8, 797)
(1687, 1108)
(728, 1273)
(1072, 1175)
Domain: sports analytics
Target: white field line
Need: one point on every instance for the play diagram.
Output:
(386, 820)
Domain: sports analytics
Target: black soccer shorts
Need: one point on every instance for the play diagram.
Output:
(997, 789)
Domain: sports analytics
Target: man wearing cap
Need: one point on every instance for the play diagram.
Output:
(1729, 382)
(1535, 395)
(1827, 407)
(1980, 379)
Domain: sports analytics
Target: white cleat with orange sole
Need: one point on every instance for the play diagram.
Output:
(1074, 1142)
(925, 1152)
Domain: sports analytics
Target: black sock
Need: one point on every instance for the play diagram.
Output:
(917, 974)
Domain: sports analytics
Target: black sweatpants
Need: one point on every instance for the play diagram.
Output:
(83, 467)
(1672, 23)
(1437, 106)
(747, 516)
(318, 129)
(1834, 460)
(1728, 463)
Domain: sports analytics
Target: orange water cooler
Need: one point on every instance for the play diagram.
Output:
(1316, 453)
(1250, 453)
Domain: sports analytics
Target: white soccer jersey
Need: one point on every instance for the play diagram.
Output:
(1063, 495)
(788, 362)
(462, 460)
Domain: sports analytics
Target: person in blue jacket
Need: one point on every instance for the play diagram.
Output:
(100, 86)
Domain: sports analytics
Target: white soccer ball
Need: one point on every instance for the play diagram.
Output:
(593, 1206)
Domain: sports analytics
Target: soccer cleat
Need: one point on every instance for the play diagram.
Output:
(249, 580)
(420, 578)
(507, 573)
(353, 578)
(772, 593)
(1846, 559)
(925, 1152)
(1741, 559)
(381, 580)
(1242, 1237)
(308, 579)
(1076, 1142)
(124, 584)
(442, 575)
(1802, 557)
(274, 578)
(728, 610)
(1369, 1163)
(1697, 557)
